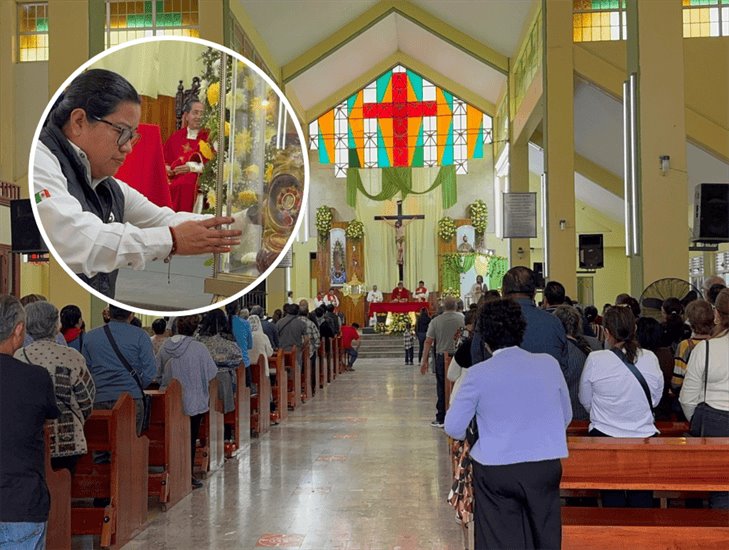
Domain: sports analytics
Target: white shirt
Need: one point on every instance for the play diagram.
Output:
(614, 397)
(717, 385)
(421, 295)
(374, 296)
(330, 300)
(86, 244)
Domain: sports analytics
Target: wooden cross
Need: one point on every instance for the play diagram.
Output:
(400, 233)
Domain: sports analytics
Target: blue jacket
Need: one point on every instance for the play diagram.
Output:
(544, 334)
(109, 374)
(243, 337)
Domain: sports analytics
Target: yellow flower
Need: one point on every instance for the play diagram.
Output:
(237, 171)
(268, 175)
(251, 80)
(214, 93)
(243, 142)
(270, 132)
(252, 171)
(205, 149)
(227, 128)
(257, 104)
(238, 97)
(247, 198)
(211, 199)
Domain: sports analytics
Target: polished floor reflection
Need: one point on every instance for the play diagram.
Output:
(357, 468)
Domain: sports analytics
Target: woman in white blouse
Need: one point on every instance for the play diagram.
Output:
(704, 396)
(614, 397)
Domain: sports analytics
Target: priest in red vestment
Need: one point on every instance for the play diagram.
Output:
(421, 293)
(400, 293)
(183, 158)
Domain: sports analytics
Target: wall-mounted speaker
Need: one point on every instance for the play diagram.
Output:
(591, 256)
(25, 236)
(538, 269)
(711, 213)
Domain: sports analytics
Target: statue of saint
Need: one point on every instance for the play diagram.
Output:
(465, 246)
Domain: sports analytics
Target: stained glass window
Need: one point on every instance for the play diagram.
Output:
(127, 20)
(598, 20)
(33, 31)
(705, 18)
(400, 120)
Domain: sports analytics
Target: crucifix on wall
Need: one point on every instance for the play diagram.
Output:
(400, 234)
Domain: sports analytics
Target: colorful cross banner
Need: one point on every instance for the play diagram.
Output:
(400, 120)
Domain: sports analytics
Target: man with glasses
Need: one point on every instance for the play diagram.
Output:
(95, 222)
(183, 158)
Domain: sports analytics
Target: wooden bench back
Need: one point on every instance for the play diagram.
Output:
(658, 463)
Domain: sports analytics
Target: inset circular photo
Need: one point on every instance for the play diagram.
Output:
(168, 175)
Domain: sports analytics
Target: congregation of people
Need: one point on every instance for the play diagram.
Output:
(532, 370)
(52, 369)
(521, 373)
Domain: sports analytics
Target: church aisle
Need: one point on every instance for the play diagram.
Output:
(359, 467)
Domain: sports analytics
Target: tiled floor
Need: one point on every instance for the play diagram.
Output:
(359, 467)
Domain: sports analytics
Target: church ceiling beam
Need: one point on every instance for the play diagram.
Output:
(420, 17)
(400, 58)
(592, 171)
(246, 23)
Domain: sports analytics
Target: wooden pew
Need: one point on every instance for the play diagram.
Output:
(293, 391)
(210, 452)
(646, 464)
(276, 365)
(260, 401)
(306, 389)
(336, 359)
(169, 446)
(666, 427)
(239, 420)
(331, 369)
(321, 363)
(123, 480)
(58, 535)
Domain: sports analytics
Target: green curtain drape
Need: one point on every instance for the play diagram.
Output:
(400, 180)
(420, 235)
(453, 265)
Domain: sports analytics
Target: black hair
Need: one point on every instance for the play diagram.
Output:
(213, 322)
(501, 323)
(554, 293)
(519, 280)
(118, 314)
(136, 322)
(97, 91)
(590, 314)
(70, 316)
(714, 291)
(649, 333)
(620, 322)
(187, 107)
(159, 326)
(355, 325)
(628, 300)
(187, 325)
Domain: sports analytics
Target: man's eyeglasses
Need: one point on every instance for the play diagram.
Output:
(125, 134)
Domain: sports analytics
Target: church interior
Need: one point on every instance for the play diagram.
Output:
(446, 139)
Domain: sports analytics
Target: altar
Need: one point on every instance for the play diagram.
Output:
(397, 307)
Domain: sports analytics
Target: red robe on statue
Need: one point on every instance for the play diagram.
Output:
(178, 151)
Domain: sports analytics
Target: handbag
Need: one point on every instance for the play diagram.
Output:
(146, 399)
(461, 493)
(698, 419)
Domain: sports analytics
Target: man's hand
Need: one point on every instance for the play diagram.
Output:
(201, 237)
(181, 169)
(424, 365)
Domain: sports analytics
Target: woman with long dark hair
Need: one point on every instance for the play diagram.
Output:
(619, 388)
(98, 223)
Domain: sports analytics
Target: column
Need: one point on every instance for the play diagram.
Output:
(559, 147)
(519, 249)
(655, 53)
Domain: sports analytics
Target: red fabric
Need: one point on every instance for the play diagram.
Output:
(399, 294)
(71, 334)
(144, 167)
(395, 307)
(178, 150)
(349, 333)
